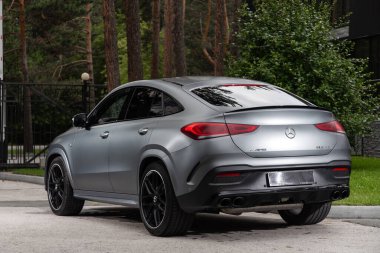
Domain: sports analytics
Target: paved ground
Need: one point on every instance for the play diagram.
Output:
(27, 225)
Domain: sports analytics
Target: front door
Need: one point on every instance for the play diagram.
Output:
(90, 161)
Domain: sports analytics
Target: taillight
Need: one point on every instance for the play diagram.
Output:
(205, 130)
(332, 126)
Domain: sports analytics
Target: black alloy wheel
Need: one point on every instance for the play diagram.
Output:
(153, 199)
(59, 190)
(159, 209)
(56, 186)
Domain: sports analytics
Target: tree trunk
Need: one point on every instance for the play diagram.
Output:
(168, 43)
(90, 64)
(179, 42)
(135, 67)
(28, 130)
(234, 50)
(155, 39)
(205, 35)
(220, 35)
(110, 44)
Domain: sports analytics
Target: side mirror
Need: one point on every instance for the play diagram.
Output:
(80, 120)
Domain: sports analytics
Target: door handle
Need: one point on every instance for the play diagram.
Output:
(105, 135)
(143, 131)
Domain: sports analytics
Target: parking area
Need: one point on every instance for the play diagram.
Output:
(27, 225)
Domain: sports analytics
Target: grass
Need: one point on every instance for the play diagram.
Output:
(364, 182)
(31, 172)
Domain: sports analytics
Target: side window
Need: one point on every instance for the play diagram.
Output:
(171, 106)
(113, 109)
(146, 103)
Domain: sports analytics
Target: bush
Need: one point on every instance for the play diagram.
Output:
(289, 43)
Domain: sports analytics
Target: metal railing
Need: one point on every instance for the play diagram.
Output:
(52, 107)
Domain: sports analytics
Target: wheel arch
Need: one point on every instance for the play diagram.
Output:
(54, 153)
(156, 155)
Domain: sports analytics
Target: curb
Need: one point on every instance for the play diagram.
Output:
(21, 178)
(336, 212)
(354, 212)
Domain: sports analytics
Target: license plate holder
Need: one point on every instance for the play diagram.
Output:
(290, 178)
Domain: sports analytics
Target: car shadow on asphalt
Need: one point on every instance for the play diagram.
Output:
(203, 223)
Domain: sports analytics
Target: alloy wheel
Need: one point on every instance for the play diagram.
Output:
(56, 186)
(153, 198)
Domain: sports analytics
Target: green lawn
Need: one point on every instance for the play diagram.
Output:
(364, 182)
(31, 172)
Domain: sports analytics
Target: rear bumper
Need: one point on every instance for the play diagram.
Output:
(252, 189)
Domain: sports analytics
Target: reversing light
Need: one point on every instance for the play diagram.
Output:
(205, 130)
(332, 126)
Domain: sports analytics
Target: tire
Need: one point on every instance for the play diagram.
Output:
(60, 193)
(159, 209)
(310, 214)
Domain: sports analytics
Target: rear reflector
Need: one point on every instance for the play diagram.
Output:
(341, 169)
(332, 126)
(204, 130)
(228, 174)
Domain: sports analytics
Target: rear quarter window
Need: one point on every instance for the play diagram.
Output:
(247, 96)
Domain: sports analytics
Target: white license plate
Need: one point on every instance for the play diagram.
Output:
(289, 178)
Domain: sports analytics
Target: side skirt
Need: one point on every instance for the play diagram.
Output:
(108, 197)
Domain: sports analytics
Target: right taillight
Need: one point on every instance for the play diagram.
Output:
(206, 130)
(332, 126)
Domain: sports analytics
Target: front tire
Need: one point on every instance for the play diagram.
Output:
(60, 193)
(159, 208)
(310, 214)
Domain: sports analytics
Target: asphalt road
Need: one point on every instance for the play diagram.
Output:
(27, 225)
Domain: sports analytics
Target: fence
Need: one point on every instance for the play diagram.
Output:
(51, 109)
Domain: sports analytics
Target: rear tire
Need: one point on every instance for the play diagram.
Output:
(60, 193)
(310, 214)
(159, 209)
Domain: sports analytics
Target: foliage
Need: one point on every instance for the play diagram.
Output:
(364, 182)
(289, 44)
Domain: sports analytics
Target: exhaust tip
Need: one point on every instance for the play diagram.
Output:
(345, 194)
(336, 195)
(238, 201)
(225, 202)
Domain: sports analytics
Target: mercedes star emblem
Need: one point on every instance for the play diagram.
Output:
(290, 133)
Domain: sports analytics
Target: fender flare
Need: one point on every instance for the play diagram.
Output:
(164, 156)
(59, 151)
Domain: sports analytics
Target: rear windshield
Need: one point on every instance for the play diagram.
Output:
(247, 96)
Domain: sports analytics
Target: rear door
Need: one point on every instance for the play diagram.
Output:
(130, 137)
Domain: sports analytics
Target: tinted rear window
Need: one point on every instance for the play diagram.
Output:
(247, 96)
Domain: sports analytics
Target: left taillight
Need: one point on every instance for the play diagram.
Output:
(332, 126)
(205, 130)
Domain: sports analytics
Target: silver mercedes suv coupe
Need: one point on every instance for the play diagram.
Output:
(177, 146)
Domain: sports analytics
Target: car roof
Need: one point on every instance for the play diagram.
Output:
(197, 81)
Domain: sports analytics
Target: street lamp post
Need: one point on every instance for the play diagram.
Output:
(3, 97)
(85, 91)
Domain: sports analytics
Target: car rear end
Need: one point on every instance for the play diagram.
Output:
(271, 150)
